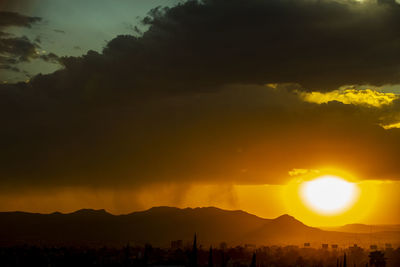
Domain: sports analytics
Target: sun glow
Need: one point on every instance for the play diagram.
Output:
(328, 194)
(350, 201)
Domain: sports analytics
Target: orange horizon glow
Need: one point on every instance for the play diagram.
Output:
(376, 202)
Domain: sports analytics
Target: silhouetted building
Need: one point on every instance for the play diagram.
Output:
(223, 246)
(147, 256)
(147, 249)
(325, 246)
(224, 260)
(377, 259)
(176, 244)
(334, 246)
(307, 244)
(250, 246)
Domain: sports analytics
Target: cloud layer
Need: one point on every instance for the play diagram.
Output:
(186, 101)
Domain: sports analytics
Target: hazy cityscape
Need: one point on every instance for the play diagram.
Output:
(145, 238)
(185, 254)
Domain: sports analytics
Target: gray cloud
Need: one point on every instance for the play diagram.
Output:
(8, 19)
(17, 49)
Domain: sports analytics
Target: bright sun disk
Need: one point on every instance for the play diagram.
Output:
(329, 194)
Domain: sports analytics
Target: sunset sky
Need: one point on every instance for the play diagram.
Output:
(129, 104)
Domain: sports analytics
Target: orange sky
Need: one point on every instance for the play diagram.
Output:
(377, 204)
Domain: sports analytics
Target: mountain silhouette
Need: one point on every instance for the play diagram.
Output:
(160, 225)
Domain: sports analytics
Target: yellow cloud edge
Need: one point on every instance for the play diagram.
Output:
(391, 126)
(366, 97)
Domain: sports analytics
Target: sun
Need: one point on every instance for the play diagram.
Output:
(328, 195)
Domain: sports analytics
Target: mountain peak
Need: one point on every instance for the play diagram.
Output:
(286, 217)
(91, 212)
(287, 220)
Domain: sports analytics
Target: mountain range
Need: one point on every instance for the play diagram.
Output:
(160, 225)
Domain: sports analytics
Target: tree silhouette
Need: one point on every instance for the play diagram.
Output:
(344, 260)
(193, 260)
(253, 260)
(210, 258)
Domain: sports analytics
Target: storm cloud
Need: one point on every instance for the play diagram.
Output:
(212, 92)
(318, 44)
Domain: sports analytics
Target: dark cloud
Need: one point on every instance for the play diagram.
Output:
(319, 44)
(8, 19)
(50, 57)
(59, 31)
(205, 137)
(4, 34)
(185, 101)
(17, 49)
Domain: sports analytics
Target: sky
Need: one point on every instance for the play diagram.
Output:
(125, 105)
